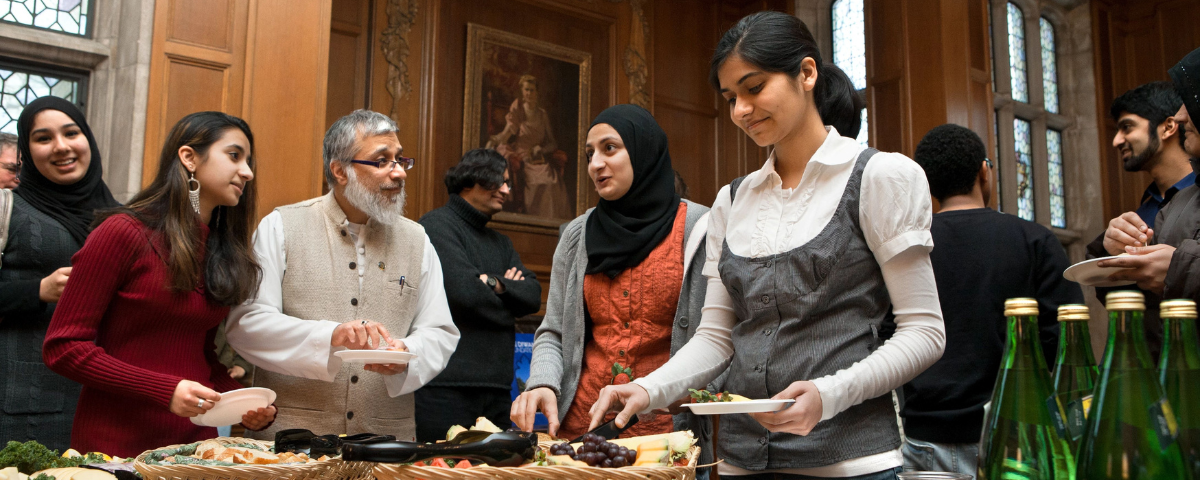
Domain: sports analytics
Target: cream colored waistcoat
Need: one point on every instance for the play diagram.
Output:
(321, 283)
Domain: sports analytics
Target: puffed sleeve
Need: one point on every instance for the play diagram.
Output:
(895, 209)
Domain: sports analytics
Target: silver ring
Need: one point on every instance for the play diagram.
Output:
(201, 404)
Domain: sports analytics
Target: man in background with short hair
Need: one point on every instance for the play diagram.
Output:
(10, 167)
(487, 288)
(1149, 139)
(982, 258)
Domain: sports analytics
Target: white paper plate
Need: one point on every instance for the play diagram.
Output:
(749, 406)
(375, 356)
(1088, 273)
(234, 404)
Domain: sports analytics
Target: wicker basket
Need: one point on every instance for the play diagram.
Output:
(389, 471)
(333, 469)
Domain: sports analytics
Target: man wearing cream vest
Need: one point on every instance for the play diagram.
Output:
(346, 271)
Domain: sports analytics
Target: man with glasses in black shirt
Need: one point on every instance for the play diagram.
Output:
(487, 288)
(980, 258)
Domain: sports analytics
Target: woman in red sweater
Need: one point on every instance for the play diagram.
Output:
(151, 284)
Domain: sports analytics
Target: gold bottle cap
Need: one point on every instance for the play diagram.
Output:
(1073, 312)
(1020, 307)
(1125, 300)
(1178, 309)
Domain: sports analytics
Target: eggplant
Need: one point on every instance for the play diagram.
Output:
(505, 449)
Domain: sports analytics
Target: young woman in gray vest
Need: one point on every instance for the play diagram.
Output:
(807, 259)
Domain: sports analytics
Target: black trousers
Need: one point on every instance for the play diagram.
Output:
(438, 408)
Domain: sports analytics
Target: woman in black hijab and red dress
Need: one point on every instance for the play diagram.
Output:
(625, 286)
(61, 188)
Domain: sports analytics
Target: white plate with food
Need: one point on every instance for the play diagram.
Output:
(234, 404)
(392, 357)
(744, 406)
(1089, 273)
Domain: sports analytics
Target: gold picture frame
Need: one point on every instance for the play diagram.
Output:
(541, 132)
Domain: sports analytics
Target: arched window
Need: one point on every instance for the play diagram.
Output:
(1016, 54)
(1049, 66)
(1034, 165)
(850, 48)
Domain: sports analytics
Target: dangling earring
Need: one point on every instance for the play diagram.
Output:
(194, 192)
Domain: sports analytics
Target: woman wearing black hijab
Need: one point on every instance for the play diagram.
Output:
(626, 284)
(61, 187)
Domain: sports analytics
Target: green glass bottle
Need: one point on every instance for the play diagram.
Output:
(1025, 436)
(1130, 427)
(1179, 373)
(1075, 369)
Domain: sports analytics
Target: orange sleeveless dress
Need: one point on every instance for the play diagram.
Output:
(632, 317)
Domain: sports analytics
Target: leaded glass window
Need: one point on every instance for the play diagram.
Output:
(19, 86)
(1058, 207)
(850, 40)
(66, 16)
(850, 48)
(1016, 53)
(1023, 144)
(1049, 66)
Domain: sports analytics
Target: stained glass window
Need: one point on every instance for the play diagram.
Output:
(1016, 53)
(66, 16)
(18, 88)
(1023, 142)
(850, 40)
(1058, 207)
(862, 134)
(1049, 66)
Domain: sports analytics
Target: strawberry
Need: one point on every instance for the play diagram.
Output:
(621, 379)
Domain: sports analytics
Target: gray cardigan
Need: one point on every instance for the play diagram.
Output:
(559, 342)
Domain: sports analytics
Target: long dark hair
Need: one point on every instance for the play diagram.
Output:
(231, 272)
(778, 42)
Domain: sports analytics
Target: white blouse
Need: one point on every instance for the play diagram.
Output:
(895, 213)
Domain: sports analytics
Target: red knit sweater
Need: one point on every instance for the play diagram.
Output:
(121, 332)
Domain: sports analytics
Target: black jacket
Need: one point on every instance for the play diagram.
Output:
(37, 403)
(486, 320)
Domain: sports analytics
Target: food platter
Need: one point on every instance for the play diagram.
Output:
(234, 404)
(375, 356)
(748, 406)
(1089, 273)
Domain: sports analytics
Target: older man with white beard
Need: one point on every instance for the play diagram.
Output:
(346, 271)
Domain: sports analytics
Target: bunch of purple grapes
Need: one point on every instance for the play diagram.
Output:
(597, 452)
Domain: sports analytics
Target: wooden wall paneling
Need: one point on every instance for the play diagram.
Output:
(285, 96)
(887, 80)
(349, 47)
(1135, 42)
(685, 105)
(197, 63)
(945, 66)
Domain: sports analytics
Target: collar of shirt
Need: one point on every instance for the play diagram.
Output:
(1152, 190)
(835, 150)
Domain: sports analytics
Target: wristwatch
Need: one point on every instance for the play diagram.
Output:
(492, 282)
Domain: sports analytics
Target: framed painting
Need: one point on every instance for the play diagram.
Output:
(528, 99)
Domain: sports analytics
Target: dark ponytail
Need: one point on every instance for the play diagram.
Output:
(778, 42)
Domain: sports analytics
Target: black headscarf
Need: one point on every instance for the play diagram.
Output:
(621, 233)
(72, 205)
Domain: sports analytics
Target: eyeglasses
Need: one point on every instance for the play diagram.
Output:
(989, 163)
(404, 162)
